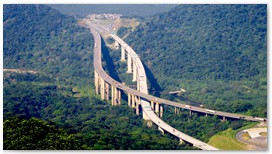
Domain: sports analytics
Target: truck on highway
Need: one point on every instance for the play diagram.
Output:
(212, 111)
(261, 119)
(188, 106)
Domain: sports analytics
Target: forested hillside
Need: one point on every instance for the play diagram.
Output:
(59, 90)
(205, 42)
(39, 38)
(216, 52)
(35, 134)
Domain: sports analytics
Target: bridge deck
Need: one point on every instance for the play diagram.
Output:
(145, 105)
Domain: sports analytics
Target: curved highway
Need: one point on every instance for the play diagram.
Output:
(143, 93)
(175, 104)
(145, 105)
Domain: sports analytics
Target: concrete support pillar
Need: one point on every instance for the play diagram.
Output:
(190, 113)
(129, 99)
(138, 86)
(107, 91)
(133, 101)
(161, 111)
(157, 108)
(206, 115)
(134, 73)
(152, 105)
(149, 123)
(113, 95)
(145, 117)
(137, 107)
(102, 89)
(224, 118)
(119, 97)
(129, 61)
(96, 83)
(116, 45)
(177, 110)
(160, 129)
(181, 141)
(123, 54)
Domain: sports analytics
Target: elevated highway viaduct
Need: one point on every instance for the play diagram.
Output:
(140, 98)
(126, 49)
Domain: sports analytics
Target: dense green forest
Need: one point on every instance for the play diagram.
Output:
(142, 10)
(91, 123)
(61, 93)
(58, 105)
(39, 38)
(35, 134)
(217, 53)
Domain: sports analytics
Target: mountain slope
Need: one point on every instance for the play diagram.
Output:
(205, 42)
(59, 88)
(217, 53)
(40, 38)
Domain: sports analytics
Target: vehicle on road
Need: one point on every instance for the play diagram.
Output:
(212, 111)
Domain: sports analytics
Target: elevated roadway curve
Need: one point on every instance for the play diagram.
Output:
(180, 105)
(145, 105)
(143, 93)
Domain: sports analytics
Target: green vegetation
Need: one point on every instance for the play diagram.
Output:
(247, 97)
(35, 134)
(217, 53)
(226, 140)
(39, 38)
(199, 125)
(93, 122)
(203, 42)
(122, 31)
